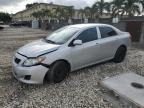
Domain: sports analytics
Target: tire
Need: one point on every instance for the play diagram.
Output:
(58, 72)
(120, 54)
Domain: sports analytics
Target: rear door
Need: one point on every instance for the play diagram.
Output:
(108, 42)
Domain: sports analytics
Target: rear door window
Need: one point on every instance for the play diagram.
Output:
(107, 32)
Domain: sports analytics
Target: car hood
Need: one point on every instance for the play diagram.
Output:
(37, 48)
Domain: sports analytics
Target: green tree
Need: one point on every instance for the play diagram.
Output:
(5, 17)
(42, 14)
(36, 15)
(64, 12)
(47, 13)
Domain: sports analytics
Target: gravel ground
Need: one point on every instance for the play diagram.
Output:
(80, 89)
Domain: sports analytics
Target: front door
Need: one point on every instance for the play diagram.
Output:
(88, 52)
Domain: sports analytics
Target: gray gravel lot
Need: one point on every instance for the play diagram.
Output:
(80, 89)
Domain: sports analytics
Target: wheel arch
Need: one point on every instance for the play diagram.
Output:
(124, 46)
(115, 59)
(66, 61)
(45, 77)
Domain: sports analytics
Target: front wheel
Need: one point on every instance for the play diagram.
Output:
(120, 55)
(58, 71)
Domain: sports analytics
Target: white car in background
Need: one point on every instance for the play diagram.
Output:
(68, 49)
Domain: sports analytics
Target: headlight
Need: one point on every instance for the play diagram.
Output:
(33, 61)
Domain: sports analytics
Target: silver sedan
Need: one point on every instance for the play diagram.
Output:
(68, 49)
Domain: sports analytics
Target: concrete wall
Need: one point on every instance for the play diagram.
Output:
(120, 25)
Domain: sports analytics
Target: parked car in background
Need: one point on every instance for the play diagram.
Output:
(68, 49)
(20, 23)
(1, 22)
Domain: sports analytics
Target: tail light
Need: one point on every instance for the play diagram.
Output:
(130, 36)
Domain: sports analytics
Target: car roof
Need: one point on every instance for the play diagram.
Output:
(88, 25)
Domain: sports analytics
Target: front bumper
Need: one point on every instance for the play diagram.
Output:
(36, 73)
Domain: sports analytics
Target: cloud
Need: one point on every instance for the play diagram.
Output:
(75, 3)
(9, 2)
(13, 6)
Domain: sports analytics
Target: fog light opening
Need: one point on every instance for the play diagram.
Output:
(27, 77)
(137, 85)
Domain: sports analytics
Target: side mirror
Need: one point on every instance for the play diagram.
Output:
(77, 42)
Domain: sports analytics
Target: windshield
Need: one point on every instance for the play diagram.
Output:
(61, 35)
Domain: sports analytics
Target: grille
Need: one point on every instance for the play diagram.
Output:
(17, 60)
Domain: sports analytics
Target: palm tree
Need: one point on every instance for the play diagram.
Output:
(87, 11)
(101, 6)
(82, 13)
(69, 11)
(94, 11)
(107, 7)
(116, 7)
(59, 11)
(142, 2)
(132, 7)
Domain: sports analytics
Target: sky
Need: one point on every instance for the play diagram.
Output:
(13, 6)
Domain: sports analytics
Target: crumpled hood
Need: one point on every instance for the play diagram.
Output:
(37, 48)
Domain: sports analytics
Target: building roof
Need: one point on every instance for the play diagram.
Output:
(51, 4)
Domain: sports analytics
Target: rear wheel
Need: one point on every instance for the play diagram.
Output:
(58, 72)
(120, 54)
